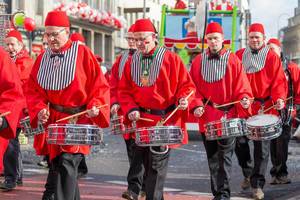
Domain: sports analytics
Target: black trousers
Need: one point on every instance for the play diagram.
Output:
(154, 165)
(12, 160)
(66, 167)
(261, 159)
(82, 166)
(279, 152)
(219, 154)
(50, 186)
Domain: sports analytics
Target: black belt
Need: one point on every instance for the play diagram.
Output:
(262, 100)
(158, 112)
(224, 108)
(68, 110)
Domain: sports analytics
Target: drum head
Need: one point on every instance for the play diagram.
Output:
(262, 120)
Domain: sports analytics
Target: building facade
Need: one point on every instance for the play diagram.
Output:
(291, 37)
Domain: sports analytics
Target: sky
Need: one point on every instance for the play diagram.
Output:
(272, 13)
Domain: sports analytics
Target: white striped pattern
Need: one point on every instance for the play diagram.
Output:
(213, 70)
(123, 60)
(57, 77)
(136, 66)
(254, 62)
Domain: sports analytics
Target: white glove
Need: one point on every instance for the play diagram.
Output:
(134, 116)
(183, 104)
(198, 112)
(43, 115)
(245, 102)
(114, 109)
(1, 121)
(279, 104)
(93, 112)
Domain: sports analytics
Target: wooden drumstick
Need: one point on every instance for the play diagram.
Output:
(146, 119)
(207, 101)
(271, 107)
(230, 103)
(174, 111)
(4, 114)
(80, 113)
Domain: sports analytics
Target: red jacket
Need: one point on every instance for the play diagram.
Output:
(88, 87)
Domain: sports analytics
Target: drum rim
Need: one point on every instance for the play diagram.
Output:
(74, 126)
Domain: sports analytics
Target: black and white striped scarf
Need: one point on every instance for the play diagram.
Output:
(123, 60)
(136, 66)
(213, 70)
(254, 62)
(57, 73)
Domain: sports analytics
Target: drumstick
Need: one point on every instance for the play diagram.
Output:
(230, 103)
(266, 110)
(146, 119)
(206, 102)
(186, 98)
(4, 114)
(80, 113)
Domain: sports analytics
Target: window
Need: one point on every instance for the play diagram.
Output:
(98, 44)
(108, 49)
(39, 7)
(87, 35)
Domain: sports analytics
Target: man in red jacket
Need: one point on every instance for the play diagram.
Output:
(11, 100)
(13, 168)
(279, 146)
(268, 84)
(220, 79)
(153, 83)
(65, 80)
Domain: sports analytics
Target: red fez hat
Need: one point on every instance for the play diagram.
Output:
(274, 41)
(77, 37)
(257, 27)
(16, 34)
(144, 25)
(131, 28)
(57, 18)
(214, 27)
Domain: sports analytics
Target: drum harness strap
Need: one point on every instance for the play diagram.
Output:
(70, 111)
(286, 113)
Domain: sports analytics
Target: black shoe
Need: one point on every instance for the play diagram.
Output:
(8, 185)
(43, 163)
(48, 197)
(81, 174)
(19, 182)
(129, 195)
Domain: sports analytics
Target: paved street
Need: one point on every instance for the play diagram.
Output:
(188, 175)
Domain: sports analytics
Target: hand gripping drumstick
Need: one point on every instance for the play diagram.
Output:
(4, 114)
(80, 113)
(266, 110)
(162, 122)
(230, 103)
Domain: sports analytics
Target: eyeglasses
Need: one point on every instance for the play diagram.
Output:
(54, 34)
(130, 39)
(142, 39)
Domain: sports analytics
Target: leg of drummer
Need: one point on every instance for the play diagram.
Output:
(157, 172)
(11, 164)
(261, 158)
(211, 148)
(279, 155)
(50, 186)
(242, 151)
(135, 173)
(67, 170)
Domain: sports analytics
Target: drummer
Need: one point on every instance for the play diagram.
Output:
(67, 77)
(154, 93)
(268, 83)
(220, 79)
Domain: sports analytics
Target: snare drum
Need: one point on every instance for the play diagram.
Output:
(27, 130)
(158, 136)
(263, 127)
(25, 126)
(74, 134)
(117, 125)
(225, 128)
